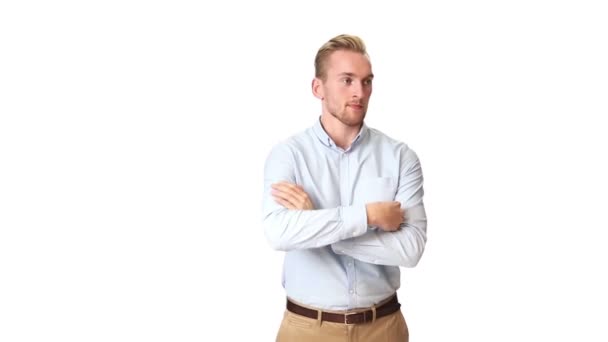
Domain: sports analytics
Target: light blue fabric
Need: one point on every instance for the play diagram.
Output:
(333, 259)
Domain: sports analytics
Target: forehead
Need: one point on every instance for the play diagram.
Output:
(342, 61)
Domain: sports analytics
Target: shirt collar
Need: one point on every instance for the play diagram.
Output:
(326, 139)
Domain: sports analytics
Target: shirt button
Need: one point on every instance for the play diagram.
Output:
(350, 263)
(351, 291)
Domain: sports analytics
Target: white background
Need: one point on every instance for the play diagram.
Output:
(133, 136)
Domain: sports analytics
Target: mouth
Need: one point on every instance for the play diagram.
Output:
(356, 106)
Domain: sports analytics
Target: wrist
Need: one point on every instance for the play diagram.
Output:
(369, 211)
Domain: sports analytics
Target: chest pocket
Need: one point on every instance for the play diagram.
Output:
(375, 190)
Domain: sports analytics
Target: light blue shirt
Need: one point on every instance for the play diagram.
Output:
(333, 259)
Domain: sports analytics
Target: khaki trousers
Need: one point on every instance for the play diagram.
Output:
(296, 328)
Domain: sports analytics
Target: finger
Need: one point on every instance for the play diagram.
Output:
(294, 193)
(295, 187)
(297, 190)
(284, 203)
(280, 194)
(287, 196)
(284, 184)
(277, 184)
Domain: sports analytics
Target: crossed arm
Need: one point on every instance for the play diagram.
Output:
(387, 216)
(291, 221)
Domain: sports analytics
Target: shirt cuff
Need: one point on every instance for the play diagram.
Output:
(354, 219)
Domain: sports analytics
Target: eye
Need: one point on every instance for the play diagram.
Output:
(368, 81)
(347, 81)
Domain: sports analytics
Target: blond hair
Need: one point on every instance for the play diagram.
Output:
(341, 42)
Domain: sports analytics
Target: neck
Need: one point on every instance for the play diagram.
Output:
(343, 135)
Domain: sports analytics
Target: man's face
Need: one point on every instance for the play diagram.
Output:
(348, 87)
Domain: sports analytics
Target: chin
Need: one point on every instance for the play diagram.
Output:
(354, 122)
(356, 119)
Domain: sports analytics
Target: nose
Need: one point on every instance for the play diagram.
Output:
(357, 89)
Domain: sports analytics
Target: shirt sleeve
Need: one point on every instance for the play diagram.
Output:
(405, 246)
(289, 229)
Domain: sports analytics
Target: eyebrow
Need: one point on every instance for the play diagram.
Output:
(350, 74)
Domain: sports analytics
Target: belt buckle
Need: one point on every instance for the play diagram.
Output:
(352, 314)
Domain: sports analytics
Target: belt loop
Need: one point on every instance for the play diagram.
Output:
(319, 317)
(373, 313)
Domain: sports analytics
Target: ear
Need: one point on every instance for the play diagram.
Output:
(317, 88)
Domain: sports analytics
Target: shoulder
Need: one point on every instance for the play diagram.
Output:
(292, 145)
(399, 147)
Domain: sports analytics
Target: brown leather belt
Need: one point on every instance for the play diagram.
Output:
(385, 309)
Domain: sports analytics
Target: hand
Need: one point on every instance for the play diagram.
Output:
(291, 196)
(388, 216)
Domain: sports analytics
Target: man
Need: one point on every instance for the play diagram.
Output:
(345, 202)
